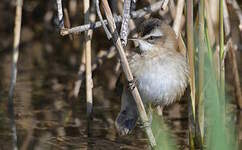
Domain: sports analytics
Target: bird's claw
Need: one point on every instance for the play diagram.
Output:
(132, 84)
(145, 124)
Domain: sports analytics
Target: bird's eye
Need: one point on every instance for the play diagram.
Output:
(153, 37)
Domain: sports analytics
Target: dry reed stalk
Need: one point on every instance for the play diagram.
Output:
(60, 14)
(178, 18)
(178, 23)
(127, 72)
(14, 70)
(87, 47)
(125, 22)
(190, 53)
(102, 21)
(135, 14)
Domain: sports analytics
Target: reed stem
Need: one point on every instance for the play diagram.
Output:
(87, 47)
(14, 71)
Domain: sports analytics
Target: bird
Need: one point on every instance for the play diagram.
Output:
(161, 72)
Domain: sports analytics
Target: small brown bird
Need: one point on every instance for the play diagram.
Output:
(160, 71)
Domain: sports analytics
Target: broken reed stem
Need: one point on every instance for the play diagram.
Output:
(135, 14)
(233, 62)
(125, 22)
(127, 72)
(178, 18)
(14, 70)
(87, 47)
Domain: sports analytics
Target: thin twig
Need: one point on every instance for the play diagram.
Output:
(125, 22)
(82, 28)
(87, 46)
(135, 14)
(16, 41)
(102, 21)
(128, 73)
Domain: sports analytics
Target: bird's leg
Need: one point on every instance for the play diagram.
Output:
(131, 84)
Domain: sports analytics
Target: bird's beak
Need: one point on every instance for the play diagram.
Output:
(136, 41)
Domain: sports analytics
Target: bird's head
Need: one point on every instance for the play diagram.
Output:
(153, 34)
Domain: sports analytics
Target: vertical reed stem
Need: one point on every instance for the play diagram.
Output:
(190, 48)
(178, 19)
(221, 54)
(190, 52)
(16, 41)
(87, 47)
(201, 53)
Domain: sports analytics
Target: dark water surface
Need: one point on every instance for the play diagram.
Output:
(48, 117)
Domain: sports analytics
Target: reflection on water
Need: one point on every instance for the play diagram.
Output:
(48, 117)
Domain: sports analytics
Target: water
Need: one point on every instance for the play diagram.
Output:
(49, 117)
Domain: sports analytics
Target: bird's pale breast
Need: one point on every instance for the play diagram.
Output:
(161, 76)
